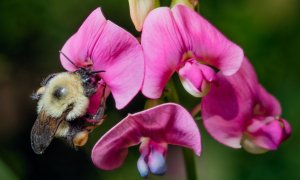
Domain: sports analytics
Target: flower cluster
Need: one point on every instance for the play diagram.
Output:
(236, 110)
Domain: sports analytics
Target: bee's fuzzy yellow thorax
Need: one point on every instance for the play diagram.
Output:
(74, 98)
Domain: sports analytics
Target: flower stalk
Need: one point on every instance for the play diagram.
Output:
(189, 160)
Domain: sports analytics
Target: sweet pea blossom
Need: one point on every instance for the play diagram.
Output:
(239, 112)
(180, 40)
(102, 45)
(153, 130)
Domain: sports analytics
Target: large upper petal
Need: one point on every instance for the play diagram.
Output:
(120, 55)
(168, 123)
(206, 42)
(229, 104)
(163, 50)
(78, 48)
(110, 48)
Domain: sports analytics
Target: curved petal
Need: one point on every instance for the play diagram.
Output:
(168, 123)
(229, 104)
(163, 50)
(287, 130)
(120, 55)
(79, 46)
(206, 42)
(267, 133)
(268, 105)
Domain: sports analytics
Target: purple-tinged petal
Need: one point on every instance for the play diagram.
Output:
(229, 104)
(169, 123)
(163, 50)
(206, 42)
(196, 77)
(78, 48)
(120, 55)
(142, 167)
(157, 163)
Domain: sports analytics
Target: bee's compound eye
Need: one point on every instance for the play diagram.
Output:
(59, 92)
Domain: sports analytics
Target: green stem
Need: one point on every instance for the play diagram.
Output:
(188, 155)
(190, 167)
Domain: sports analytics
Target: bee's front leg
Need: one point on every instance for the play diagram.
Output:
(98, 117)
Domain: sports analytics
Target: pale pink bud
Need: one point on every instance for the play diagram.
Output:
(139, 9)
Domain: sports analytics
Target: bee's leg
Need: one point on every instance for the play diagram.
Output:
(77, 135)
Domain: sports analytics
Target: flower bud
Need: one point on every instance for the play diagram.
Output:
(189, 3)
(139, 9)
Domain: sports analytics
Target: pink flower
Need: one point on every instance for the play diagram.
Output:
(153, 129)
(180, 40)
(239, 112)
(101, 44)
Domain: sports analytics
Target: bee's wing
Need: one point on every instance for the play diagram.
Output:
(43, 131)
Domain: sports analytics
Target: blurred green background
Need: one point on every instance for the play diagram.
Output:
(32, 32)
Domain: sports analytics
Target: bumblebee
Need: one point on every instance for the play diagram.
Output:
(63, 100)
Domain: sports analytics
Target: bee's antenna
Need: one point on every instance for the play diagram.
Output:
(95, 72)
(68, 59)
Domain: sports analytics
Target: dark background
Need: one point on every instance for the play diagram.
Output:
(32, 32)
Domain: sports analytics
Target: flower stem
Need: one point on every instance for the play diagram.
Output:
(188, 155)
(190, 167)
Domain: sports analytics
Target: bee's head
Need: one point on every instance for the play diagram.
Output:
(88, 76)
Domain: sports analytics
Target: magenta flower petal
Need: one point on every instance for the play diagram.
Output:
(78, 48)
(287, 130)
(120, 55)
(229, 104)
(106, 46)
(162, 47)
(265, 133)
(167, 123)
(206, 42)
